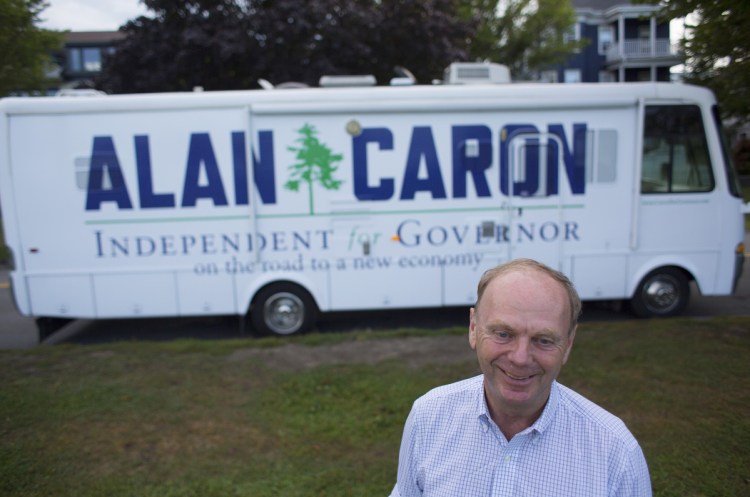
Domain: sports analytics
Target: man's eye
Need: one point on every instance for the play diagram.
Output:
(545, 342)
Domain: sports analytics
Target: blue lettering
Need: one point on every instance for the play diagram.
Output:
(422, 146)
(362, 190)
(476, 166)
(263, 168)
(508, 184)
(240, 168)
(145, 183)
(528, 184)
(575, 161)
(104, 158)
(201, 153)
(410, 241)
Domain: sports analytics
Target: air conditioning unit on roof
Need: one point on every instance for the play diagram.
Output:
(472, 73)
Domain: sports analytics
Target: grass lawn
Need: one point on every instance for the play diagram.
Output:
(213, 418)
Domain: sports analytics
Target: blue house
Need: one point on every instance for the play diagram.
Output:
(627, 43)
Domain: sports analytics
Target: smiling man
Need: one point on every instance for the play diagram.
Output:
(513, 430)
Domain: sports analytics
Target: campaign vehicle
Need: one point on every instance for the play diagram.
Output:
(278, 204)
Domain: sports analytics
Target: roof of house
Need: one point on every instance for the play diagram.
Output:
(93, 37)
(598, 4)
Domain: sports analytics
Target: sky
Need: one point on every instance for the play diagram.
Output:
(109, 15)
(90, 15)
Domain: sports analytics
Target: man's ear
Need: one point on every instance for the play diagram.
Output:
(571, 338)
(472, 329)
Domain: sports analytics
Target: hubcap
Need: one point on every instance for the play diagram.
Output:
(661, 295)
(284, 313)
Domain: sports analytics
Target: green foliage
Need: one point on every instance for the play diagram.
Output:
(228, 418)
(527, 35)
(25, 50)
(717, 48)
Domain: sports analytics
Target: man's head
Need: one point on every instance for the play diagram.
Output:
(522, 328)
(530, 265)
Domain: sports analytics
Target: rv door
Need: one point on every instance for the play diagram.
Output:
(534, 214)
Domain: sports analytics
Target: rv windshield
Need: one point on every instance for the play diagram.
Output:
(733, 179)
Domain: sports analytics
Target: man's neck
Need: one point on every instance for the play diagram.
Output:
(511, 422)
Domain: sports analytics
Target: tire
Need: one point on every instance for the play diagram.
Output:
(664, 292)
(282, 309)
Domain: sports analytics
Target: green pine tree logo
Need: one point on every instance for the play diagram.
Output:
(315, 164)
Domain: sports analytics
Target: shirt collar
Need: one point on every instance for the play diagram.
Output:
(542, 422)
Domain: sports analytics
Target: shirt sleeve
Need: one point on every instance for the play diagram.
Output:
(408, 479)
(635, 480)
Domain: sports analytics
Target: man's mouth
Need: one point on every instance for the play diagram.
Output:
(516, 378)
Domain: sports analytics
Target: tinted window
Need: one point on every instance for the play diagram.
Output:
(675, 152)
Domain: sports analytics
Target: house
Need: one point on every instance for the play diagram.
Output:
(80, 61)
(627, 43)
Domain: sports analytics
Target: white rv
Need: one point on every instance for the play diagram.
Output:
(286, 203)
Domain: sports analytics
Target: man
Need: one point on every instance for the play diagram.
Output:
(514, 431)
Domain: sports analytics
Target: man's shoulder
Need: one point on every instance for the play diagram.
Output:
(586, 411)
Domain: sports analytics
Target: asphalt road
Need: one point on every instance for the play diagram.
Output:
(18, 332)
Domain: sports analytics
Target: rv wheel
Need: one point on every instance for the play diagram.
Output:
(663, 292)
(282, 309)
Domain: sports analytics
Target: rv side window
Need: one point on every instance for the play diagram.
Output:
(675, 152)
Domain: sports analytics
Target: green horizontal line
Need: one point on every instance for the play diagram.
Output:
(326, 214)
(166, 220)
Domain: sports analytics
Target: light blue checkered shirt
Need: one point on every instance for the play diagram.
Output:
(452, 448)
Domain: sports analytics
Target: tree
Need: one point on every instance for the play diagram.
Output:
(188, 43)
(226, 44)
(316, 164)
(315, 38)
(525, 35)
(423, 36)
(25, 49)
(716, 45)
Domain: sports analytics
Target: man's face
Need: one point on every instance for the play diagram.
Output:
(519, 330)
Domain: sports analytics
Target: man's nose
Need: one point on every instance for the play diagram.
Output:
(520, 353)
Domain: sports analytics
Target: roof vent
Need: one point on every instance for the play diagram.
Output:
(343, 81)
(79, 92)
(472, 73)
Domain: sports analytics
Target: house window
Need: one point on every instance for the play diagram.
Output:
(549, 76)
(572, 75)
(85, 59)
(572, 34)
(606, 38)
(606, 77)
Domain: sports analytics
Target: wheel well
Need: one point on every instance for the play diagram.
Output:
(688, 275)
(681, 269)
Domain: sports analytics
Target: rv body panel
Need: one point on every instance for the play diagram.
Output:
(192, 204)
